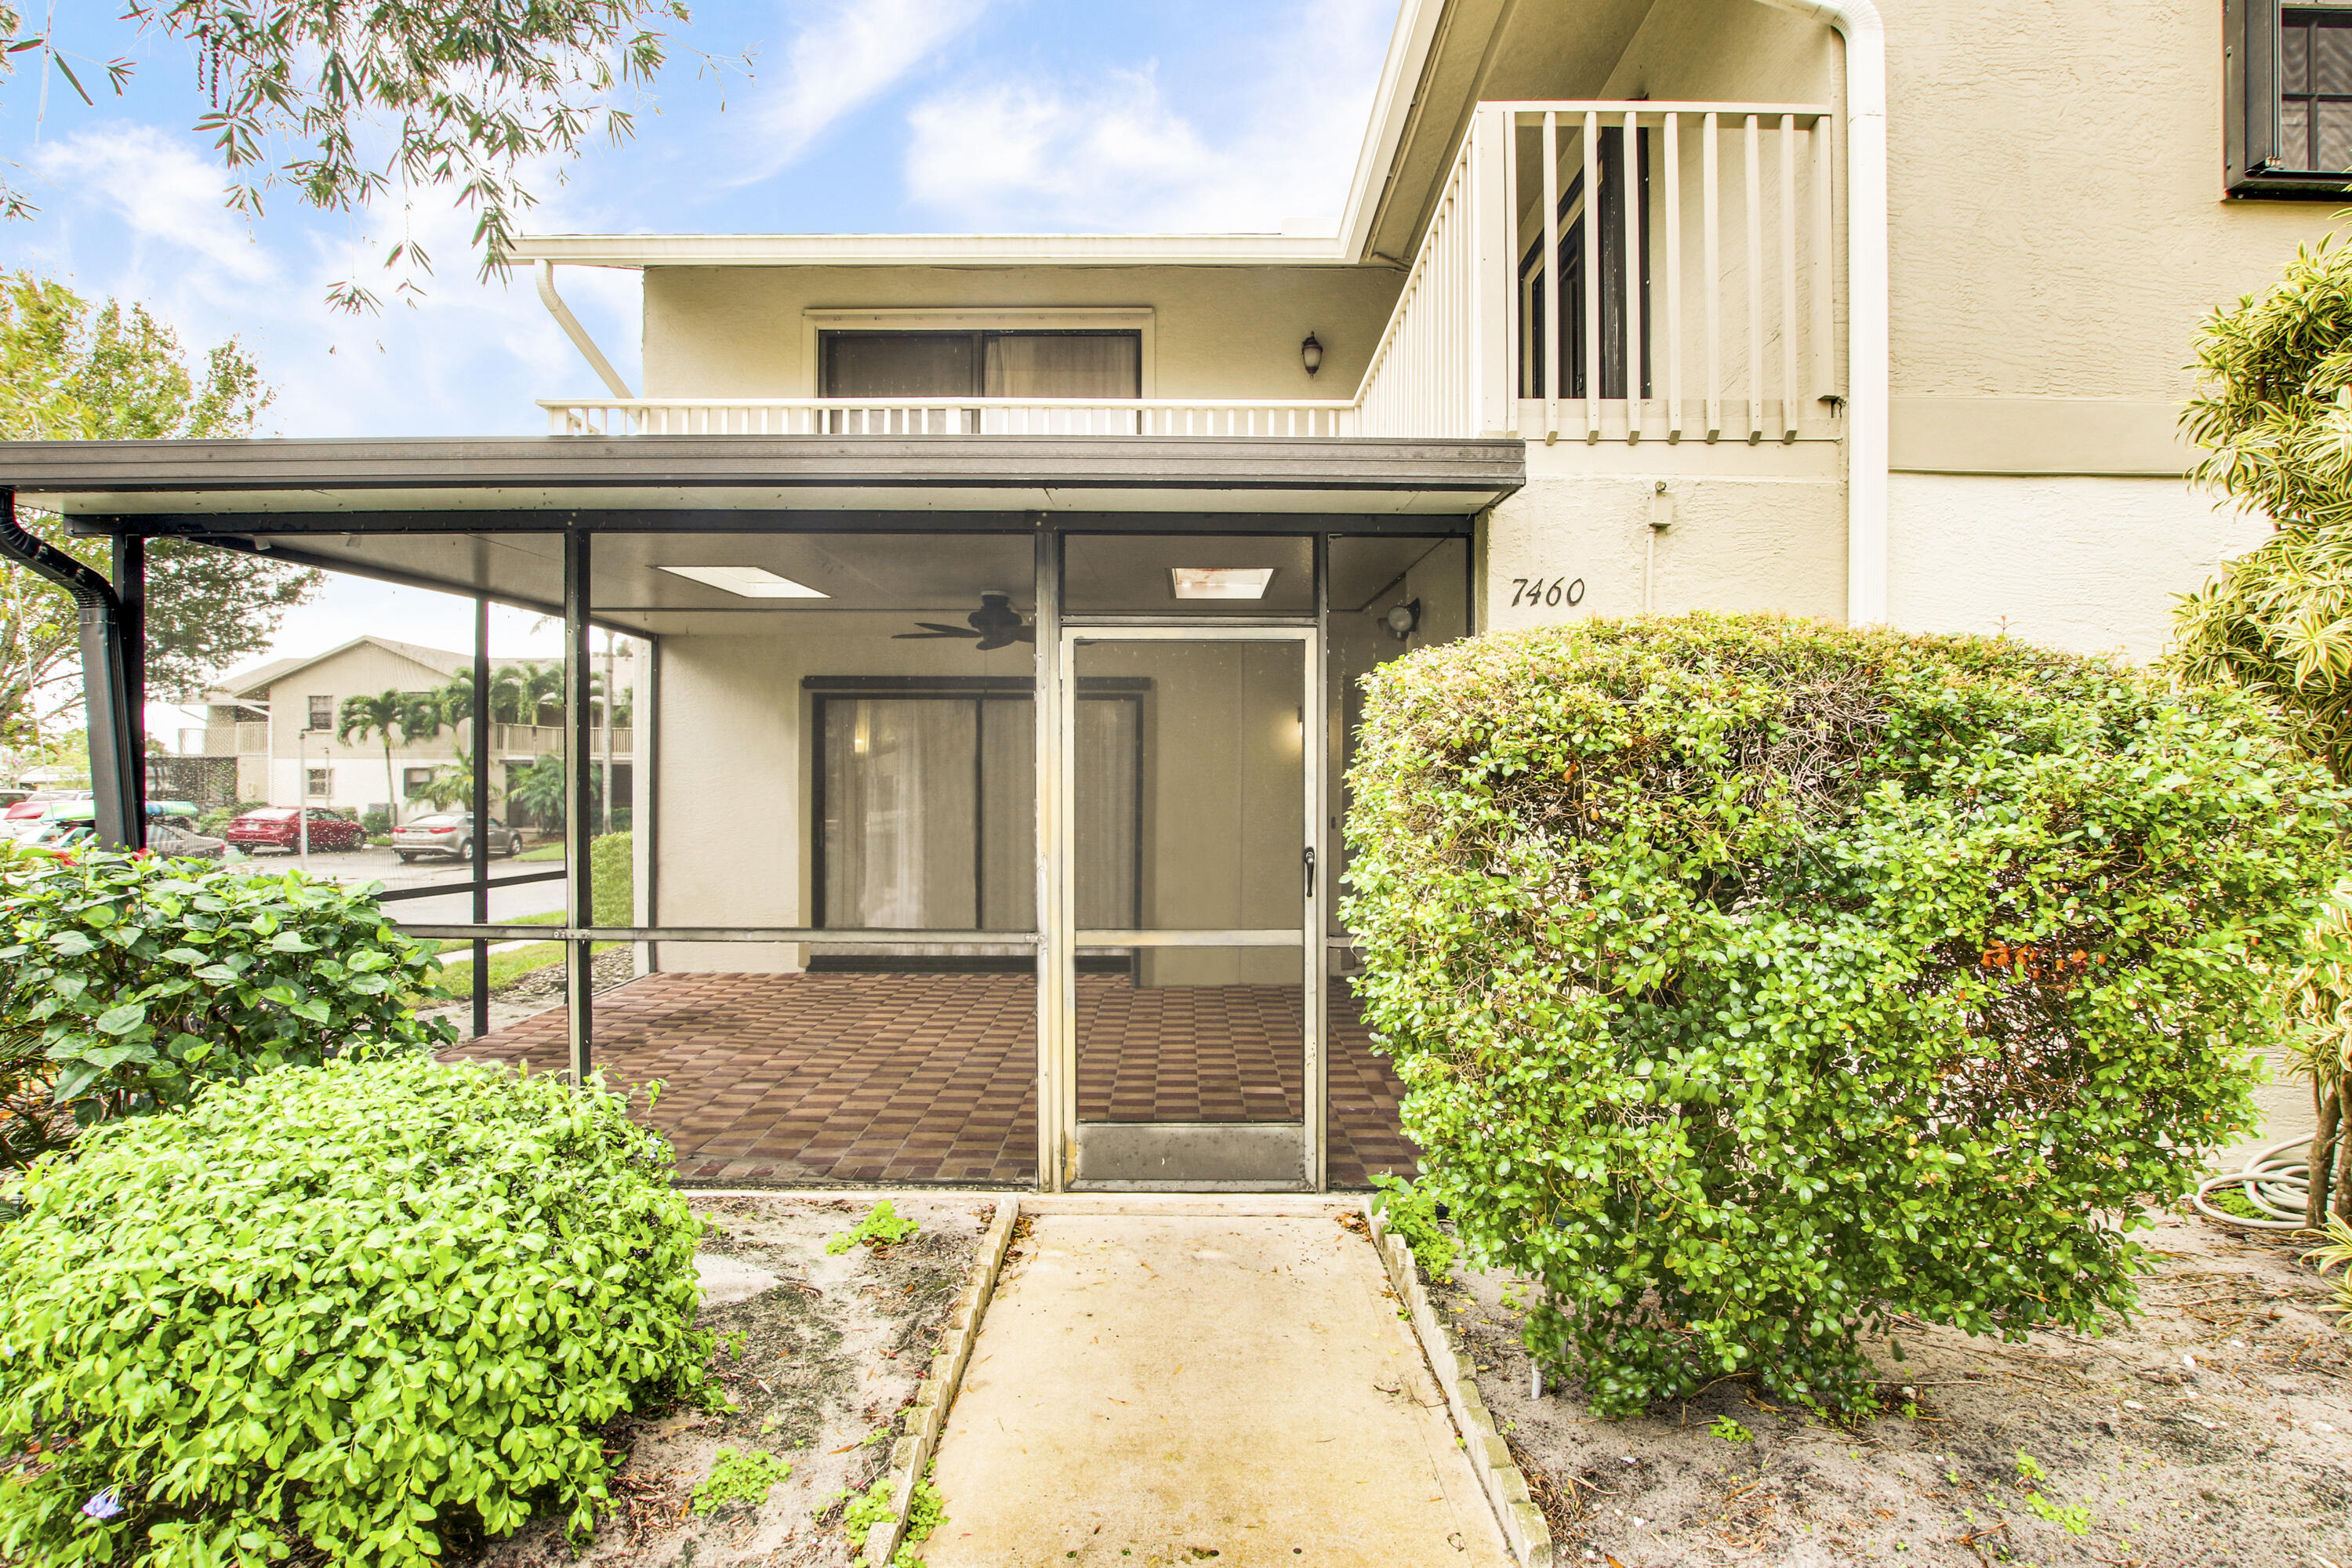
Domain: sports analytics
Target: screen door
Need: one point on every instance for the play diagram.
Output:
(1189, 994)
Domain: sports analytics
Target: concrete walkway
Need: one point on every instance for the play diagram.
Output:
(1152, 1389)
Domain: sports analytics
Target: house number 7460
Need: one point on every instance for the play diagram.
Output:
(1547, 591)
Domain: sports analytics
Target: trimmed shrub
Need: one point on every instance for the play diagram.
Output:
(1755, 981)
(612, 878)
(130, 981)
(360, 1310)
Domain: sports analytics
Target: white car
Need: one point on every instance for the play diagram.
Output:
(451, 832)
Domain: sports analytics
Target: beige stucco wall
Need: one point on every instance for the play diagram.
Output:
(2081, 562)
(1216, 332)
(1769, 535)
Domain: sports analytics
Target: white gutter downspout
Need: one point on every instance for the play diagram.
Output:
(578, 334)
(1857, 21)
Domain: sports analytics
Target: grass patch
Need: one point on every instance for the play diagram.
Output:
(509, 967)
(545, 918)
(544, 852)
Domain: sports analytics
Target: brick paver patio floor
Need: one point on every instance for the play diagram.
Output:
(932, 1078)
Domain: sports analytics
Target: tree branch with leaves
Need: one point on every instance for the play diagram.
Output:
(350, 102)
(74, 370)
(2273, 410)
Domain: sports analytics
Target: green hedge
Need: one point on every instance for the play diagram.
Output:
(1756, 980)
(130, 981)
(364, 1308)
(613, 878)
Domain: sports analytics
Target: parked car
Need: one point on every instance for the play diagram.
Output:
(177, 839)
(280, 828)
(451, 832)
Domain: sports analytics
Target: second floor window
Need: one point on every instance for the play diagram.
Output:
(322, 713)
(2316, 89)
(2290, 99)
(982, 364)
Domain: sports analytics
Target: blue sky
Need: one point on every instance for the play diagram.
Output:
(889, 116)
(906, 115)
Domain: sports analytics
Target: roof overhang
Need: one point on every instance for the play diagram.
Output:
(530, 484)
(485, 516)
(930, 251)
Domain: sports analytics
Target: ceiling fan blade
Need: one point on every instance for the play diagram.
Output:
(930, 637)
(991, 643)
(938, 630)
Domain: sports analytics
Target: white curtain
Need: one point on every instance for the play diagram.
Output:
(1064, 364)
(899, 827)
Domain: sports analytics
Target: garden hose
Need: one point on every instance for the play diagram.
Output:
(2276, 1180)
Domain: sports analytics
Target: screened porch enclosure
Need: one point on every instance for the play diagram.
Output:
(910, 841)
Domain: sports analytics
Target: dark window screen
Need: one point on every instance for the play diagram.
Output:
(983, 364)
(901, 364)
(2316, 89)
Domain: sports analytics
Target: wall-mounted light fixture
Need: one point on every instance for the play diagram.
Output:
(1403, 618)
(1310, 354)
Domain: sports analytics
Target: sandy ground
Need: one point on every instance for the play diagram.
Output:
(820, 1354)
(2214, 1431)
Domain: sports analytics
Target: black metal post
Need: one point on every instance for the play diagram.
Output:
(114, 763)
(130, 593)
(481, 807)
(579, 826)
(646, 771)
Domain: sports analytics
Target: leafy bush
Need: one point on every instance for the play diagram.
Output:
(1413, 1214)
(883, 1225)
(358, 1308)
(376, 822)
(1754, 981)
(738, 1475)
(129, 982)
(613, 878)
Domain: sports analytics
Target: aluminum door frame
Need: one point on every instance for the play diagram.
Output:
(1057, 1099)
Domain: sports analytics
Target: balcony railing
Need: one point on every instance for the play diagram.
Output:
(1621, 271)
(510, 740)
(943, 417)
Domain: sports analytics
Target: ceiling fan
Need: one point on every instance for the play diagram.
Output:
(995, 624)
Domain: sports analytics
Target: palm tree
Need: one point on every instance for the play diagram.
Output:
(415, 715)
(445, 788)
(539, 790)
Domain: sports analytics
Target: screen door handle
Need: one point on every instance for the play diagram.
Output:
(1308, 856)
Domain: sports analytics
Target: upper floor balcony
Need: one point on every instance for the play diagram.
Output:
(1621, 272)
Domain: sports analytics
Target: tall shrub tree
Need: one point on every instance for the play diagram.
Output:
(2273, 410)
(74, 370)
(1755, 981)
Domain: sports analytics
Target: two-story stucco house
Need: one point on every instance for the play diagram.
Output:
(282, 721)
(1004, 596)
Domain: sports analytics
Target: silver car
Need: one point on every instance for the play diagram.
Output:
(451, 832)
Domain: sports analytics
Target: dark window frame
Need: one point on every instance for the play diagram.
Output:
(2257, 162)
(1537, 342)
(979, 339)
(976, 690)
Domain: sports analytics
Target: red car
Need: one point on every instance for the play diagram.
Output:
(277, 827)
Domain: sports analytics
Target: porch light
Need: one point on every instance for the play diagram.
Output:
(1220, 581)
(750, 582)
(1310, 354)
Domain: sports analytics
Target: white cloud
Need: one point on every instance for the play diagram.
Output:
(1114, 154)
(842, 62)
(159, 188)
